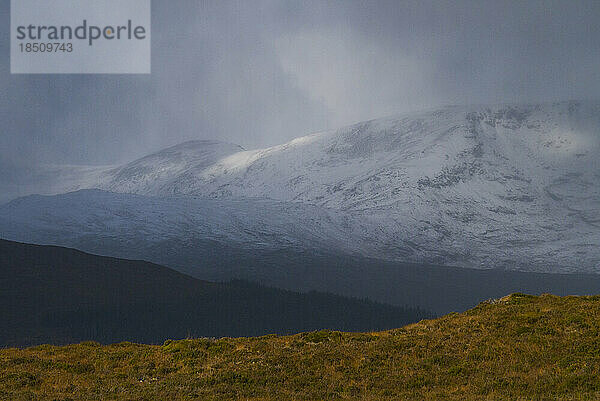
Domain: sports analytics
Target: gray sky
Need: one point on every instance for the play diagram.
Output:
(259, 73)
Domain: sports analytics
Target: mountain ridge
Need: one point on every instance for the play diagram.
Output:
(58, 295)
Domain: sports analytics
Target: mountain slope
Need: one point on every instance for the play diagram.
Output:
(516, 348)
(59, 295)
(282, 244)
(158, 172)
(250, 224)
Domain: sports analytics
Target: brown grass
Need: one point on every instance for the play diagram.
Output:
(518, 348)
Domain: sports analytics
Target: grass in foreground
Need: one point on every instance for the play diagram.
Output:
(519, 348)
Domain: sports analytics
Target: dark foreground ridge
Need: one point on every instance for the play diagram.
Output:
(59, 296)
(520, 347)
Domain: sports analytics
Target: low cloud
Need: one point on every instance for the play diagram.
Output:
(261, 73)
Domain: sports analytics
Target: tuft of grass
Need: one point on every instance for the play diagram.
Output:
(520, 347)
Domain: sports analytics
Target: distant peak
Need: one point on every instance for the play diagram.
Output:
(204, 143)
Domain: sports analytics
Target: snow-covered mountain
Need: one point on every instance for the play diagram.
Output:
(507, 186)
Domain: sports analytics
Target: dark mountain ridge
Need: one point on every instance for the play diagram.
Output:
(58, 295)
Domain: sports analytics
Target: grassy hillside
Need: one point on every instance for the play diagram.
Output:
(60, 296)
(519, 348)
